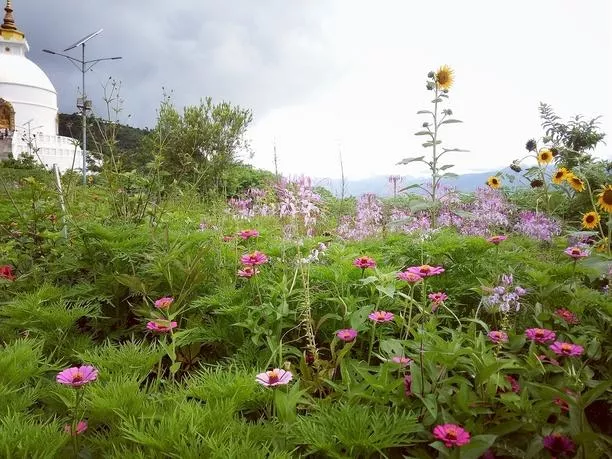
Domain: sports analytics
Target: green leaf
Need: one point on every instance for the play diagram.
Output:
(388, 291)
(593, 394)
(450, 175)
(477, 446)
(423, 133)
(451, 121)
(422, 205)
(133, 282)
(446, 166)
(420, 112)
(431, 144)
(175, 367)
(414, 185)
(455, 149)
(410, 160)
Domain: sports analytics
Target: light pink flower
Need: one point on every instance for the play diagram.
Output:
(452, 435)
(161, 326)
(426, 270)
(411, 278)
(347, 334)
(248, 272)
(497, 239)
(381, 316)
(364, 262)
(498, 336)
(80, 428)
(568, 316)
(540, 335)
(438, 297)
(566, 349)
(164, 303)
(254, 259)
(403, 361)
(77, 376)
(275, 377)
(248, 233)
(576, 253)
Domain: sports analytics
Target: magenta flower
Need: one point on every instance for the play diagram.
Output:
(452, 435)
(6, 272)
(559, 445)
(164, 303)
(545, 359)
(228, 238)
(254, 259)
(403, 361)
(161, 326)
(568, 316)
(497, 239)
(381, 316)
(411, 278)
(275, 377)
(426, 270)
(540, 335)
(247, 272)
(562, 404)
(514, 385)
(498, 336)
(77, 376)
(347, 334)
(248, 234)
(576, 253)
(80, 428)
(438, 297)
(566, 349)
(408, 385)
(364, 262)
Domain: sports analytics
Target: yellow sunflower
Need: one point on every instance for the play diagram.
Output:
(604, 199)
(560, 175)
(444, 77)
(545, 156)
(575, 182)
(494, 182)
(602, 245)
(590, 220)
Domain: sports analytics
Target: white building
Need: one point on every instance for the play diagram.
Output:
(28, 105)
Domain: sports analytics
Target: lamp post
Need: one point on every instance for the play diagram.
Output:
(82, 103)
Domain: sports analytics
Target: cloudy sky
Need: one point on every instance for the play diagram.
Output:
(324, 76)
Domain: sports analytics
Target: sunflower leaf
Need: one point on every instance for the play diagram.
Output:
(450, 175)
(421, 112)
(414, 185)
(429, 144)
(439, 99)
(455, 149)
(423, 133)
(446, 166)
(410, 160)
(450, 121)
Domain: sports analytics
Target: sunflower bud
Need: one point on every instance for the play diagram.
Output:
(536, 183)
(425, 124)
(431, 74)
(554, 151)
(515, 167)
(430, 85)
(531, 145)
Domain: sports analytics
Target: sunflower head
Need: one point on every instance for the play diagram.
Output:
(590, 220)
(604, 199)
(444, 77)
(575, 182)
(531, 145)
(494, 182)
(545, 156)
(560, 175)
(537, 183)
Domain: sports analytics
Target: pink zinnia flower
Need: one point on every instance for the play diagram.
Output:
(559, 445)
(6, 272)
(498, 336)
(249, 233)
(540, 335)
(452, 435)
(568, 316)
(566, 349)
(347, 334)
(411, 278)
(248, 272)
(164, 303)
(545, 359)
(275, 377)
(77, 376)
(576, 253)
(408, 385)
(80, 428)
(364, 262)
(426, 270)
(403, 361)
(438, 297)
(514, 385)
(497, 239)
(161, 326)
(254, 259)
(381, 316)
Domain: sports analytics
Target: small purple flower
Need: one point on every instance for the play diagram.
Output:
(347, 334)
(576, 253)
(381, 316)
(567, 315)
(437, 297)
(566, 349)
(275, 377)
(497, 336)
(451, 435)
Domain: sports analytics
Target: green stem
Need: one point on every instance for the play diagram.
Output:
(373, 334)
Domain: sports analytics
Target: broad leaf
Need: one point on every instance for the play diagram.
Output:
(423, 133)
(451, 121)
(410, 160)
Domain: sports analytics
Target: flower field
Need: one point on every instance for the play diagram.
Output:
(283, 322)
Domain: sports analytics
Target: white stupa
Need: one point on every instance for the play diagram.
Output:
(28, 105)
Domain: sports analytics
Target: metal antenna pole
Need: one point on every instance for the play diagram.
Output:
(84, 120)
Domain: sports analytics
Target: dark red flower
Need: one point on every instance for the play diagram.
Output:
(559, 445)
(6, 272)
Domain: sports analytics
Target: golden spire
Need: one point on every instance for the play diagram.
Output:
(8, 29)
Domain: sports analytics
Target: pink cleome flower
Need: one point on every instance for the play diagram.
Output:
(247, 272)
(161, 326)
(559, 445)
(497, 239)
(568, 316)
(254, 259)
(566, 349)
(6, 272)
(451, 435)
(381, 316)
(164, 303)
(498, 337)
(411, 278)
(347, 334)
(540, 335)
(77, 376)
(80, 428)
(275, 377)
(426, 270)
(364, 262)
(576, 253)
(403, 361)
(248, 234)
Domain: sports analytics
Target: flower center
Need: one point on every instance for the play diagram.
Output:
(451, 434)
(566, 347)
(78, 377)
(273, 376)
(607, 197)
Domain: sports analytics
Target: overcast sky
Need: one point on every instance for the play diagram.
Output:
(329, 75)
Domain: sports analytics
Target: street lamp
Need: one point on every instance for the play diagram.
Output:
(82, 102)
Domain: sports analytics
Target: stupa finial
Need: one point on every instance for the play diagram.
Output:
(8, 29)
